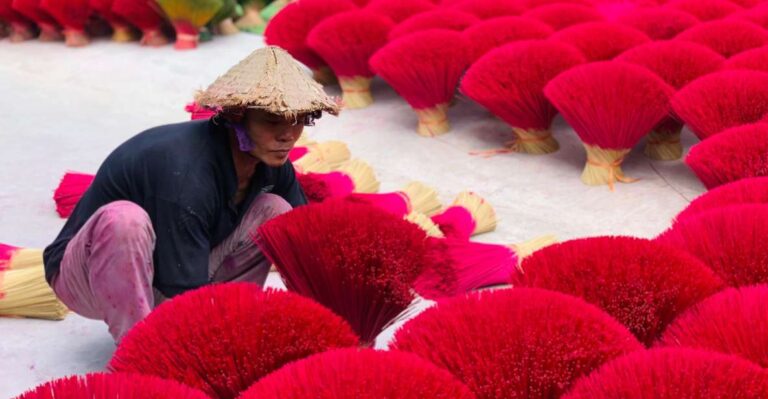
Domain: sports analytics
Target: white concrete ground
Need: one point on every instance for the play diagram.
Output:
(65, 109)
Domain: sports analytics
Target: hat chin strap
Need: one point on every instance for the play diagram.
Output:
(243, 140)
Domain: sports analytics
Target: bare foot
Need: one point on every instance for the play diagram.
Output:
(76, 38)
(251, 19)
(154, 38)
(227, 27)
(50, 33)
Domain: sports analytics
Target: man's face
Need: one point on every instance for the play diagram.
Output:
(273, 136)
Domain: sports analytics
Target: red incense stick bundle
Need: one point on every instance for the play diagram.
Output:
(448, 19)
(146, 16)
(659, 23)
(727, 37)
(705, 10)
(73, 15)
(399, 11)
(22, 28)
(562, 15)
(601, 41)
(71, 188)
(488, 35)
(753, 190)
(755, 59)
(113, 385)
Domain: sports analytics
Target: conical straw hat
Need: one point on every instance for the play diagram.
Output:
(268, 79)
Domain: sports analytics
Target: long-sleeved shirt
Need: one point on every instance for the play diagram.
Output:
(184, 177)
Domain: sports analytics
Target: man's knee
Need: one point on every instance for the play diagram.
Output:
(126, 220)
(270, 206)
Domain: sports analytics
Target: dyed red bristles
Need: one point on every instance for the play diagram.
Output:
(448, 19)
(289, 29)
(560, 16)
(113, 385)
(705, 10)
(33, 10)
(222, 338)
(733, 321)
(674, 374)
(659, 23)
(71, 188)
(754, 59)
(510, 81)
(516, 343)
(425, 72)
(642, 284)
(757, 15)
(71, 14)
(104, 9)
(399, 11)
(736, 153)
(145, 15)
(728, 37)
(356, 259)
(730, 240)
(396, 203)
(718, 101)
(319, 187)
(601, 41)
(745, 191)
(458, 266)
(22, 27)
(355, 373)
(487, 35)
(487, 9)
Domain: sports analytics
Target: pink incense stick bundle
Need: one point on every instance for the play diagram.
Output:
(399, 11)
(73, 15)
(346, 42)
(357, 260)
(122, 30)
(753, 190)
(643, 284)
(755, 59)
(516, 343)
(355, 373)
(562, 15)
(71, 188)
(425, 72)
(705, 10)
(332, 152)
(601, 41)
(611, 106)
(732, 322)
(727, 37)
(197, 112)
(468, 215)
(145, 15)
(736, 153)
(510, 81)
(718, 101)
(659, 23)
(448, 19)
(728, 239)
(113, 385)
(487, 9)
(459, 266)
(22, 28)
(32, 9)
(354, 176)
(291, 26)
(678, 63)
(224, 337)
(673, 374)
(488, 35)
(757, 15)
(414, 197)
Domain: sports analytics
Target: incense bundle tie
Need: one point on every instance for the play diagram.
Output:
(604, 167)
(433, 121)
(526, 141)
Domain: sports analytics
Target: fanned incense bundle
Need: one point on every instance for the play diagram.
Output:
(122, 30)
(732, 321)
(356, 259)
(516, 343)
(728, 239)
(425, 72)
(399, 11)
(290, 27)
(601, 41)
(757, 14)
(224, 337)
(111, 386)
(356, 373)
(755, 59)
(346, 42)
(448, 19)
(488, 9)
(187, 17)
(642, 284)
(333, 152)
(562, 15)
(23, 289)
(673, 374)
(745, 191)
(727, 37)
(459, 266)
(49, 28)
(659, 23)
(510, 81)
(720, 100)
(678, 63)
(610, 105)
(146, 16)
(73, 15)
(488, 35)
(736, 153)
(22, 28)
(705, 10)
(69, 191)
(468, 215)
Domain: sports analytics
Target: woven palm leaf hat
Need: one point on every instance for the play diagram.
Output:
(271, 80)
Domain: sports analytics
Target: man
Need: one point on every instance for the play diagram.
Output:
(174, 208)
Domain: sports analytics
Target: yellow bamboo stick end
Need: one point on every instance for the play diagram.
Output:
(356, 92)
(24, 291)
(433, 121)
(664, 146)
(423, 198)
(362, 175)
(603, 167)
(482, 212)
(532, 141)
(425, 223)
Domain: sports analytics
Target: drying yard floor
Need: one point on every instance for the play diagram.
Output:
(66, 109)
